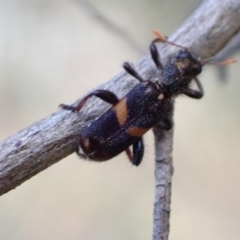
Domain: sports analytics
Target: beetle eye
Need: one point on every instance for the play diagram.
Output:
(183, 54)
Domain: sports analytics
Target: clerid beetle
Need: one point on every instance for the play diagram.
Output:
(148, 103)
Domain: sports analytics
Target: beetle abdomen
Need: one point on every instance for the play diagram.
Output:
(124, 123)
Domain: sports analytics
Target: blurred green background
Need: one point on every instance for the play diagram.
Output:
(53, 52)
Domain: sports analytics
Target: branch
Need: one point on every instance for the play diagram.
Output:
(110, 25)
(228, 51)
(49, 140)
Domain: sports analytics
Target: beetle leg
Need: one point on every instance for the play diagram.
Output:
(138, 151)
(195, 93)
(155, 54)
(105, 95)
(129, 69)
(165, 124)
(129, 154)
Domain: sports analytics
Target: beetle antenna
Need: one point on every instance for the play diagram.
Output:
(162, 38)
(226, 62)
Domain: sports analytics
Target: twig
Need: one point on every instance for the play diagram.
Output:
(229, 50)
(49, 140)
(117, 30)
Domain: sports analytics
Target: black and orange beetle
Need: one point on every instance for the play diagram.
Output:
(142, 108)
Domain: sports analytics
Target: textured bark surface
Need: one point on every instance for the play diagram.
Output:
(47, 141)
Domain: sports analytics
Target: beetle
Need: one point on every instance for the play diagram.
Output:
(147, 104)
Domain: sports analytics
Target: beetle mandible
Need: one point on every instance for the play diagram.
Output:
(148, 103)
